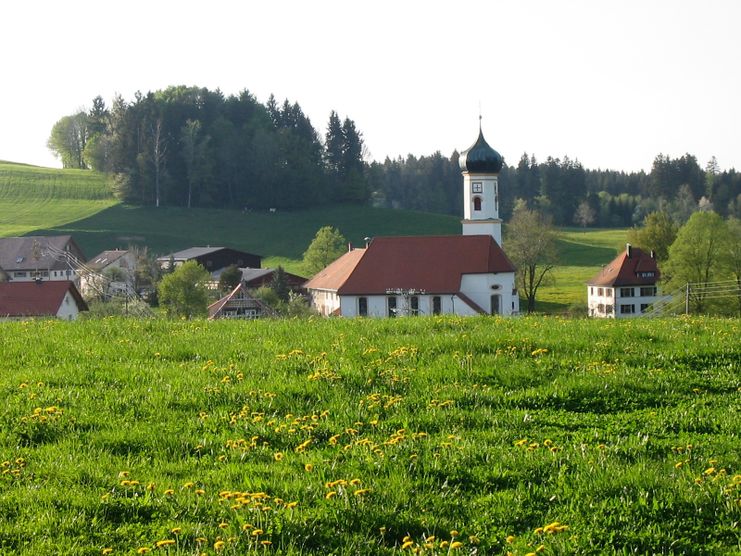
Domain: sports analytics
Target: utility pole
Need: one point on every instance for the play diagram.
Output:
(687, 300)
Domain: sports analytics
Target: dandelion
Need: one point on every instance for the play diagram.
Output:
(257, 532)
(277, 456)
(291, 505)
(106, 551)
(407, 544)
(510, 539)
(176, 530)
(454, 533)
(200, 492)
(143, 550)
(331, 494)
(361, 491)
(266, 543)
(709, 471)
(219, 545)
(309, 467)
(223, 525)
(164, 542)
(455, 545)
(169, 492)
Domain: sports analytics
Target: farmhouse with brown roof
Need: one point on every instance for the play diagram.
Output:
(21, 300)
(626, 287)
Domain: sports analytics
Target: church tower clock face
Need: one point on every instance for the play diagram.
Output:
(477, 187)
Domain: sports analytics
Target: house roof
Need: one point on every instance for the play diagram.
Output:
(434, 264)
(334, 275)
(36, 299)
(632, 267)
(252, 276)
(30, 252)
(102, 260)
(190, 253)
(215, 308)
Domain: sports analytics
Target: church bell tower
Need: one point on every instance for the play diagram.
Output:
(480, 165)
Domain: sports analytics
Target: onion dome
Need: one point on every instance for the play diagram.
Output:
(480, 158)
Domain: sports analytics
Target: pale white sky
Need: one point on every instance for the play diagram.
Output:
(612, 83)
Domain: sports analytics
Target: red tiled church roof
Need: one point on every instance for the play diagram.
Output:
(434, 264)
(333, 276)
(32, 299)
(632, 267)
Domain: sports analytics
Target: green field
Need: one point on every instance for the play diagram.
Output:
(438, 436)
(47, 201)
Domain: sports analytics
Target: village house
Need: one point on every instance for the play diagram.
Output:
(40, 299)
(425, 275)
(239, 304)
(213, 259)
(626, 287)
(109, 272)
(255, 278)
(54, 258)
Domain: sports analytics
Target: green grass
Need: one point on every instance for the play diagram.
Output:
(119, 434)
(34, 198)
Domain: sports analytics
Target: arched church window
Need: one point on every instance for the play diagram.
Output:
(477, 203)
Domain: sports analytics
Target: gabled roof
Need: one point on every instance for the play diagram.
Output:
(256, 276)
(191, 253)
(632, 267)
(36, 299)
(334, 275)
(30, 252)
(105, 258)
(216, 308)
(434, 264)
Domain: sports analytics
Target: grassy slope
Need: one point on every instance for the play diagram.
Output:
(626, 432)
(33, 198)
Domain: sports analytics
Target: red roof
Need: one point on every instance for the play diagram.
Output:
(434, 264)
(632, 267)
(36, 299)
(334, 275)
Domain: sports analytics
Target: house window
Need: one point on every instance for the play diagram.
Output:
(648, 291)
(436, 305)
(19, 274)
(391, 305)
(649, 274)
(601, 308)
(477, 203)
(627, 309)
(363, 306)
(608, 309)
(626, 292)
(608, 292)
(591, 290)
(644, 307)
(414, 305)
(495, 303)
(599, 292)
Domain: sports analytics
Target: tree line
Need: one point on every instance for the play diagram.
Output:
(192, 147)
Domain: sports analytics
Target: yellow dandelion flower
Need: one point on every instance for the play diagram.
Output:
(407, 538)
(355, 482)
(169, 492)
(510, 539)
(277, 456)
(151, 487)
(246, 527)
(291, 505)
(257, 532)
(200, 492)
(407, 544)
(176, 530)
(106, 551)
(361, 491)
(444, 544)
(709, 471)
(538, 531)
(188, 485)
(309, 467)
(223, 525)
(454, 533)
(201, 540)
(143, 550)
(330, 494)
(266, 543)
(455, 545)
(164, 542)
(219, 545)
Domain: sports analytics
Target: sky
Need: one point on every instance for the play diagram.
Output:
(610, 83)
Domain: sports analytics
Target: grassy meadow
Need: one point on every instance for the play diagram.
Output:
(404, 436)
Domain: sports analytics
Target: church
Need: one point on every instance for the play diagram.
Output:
(468, 274)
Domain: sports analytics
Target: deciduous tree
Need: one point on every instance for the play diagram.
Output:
(327, 246)
(657, 234)
(184, 292)
(531, 245)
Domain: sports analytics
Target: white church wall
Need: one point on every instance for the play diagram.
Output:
(481, 287)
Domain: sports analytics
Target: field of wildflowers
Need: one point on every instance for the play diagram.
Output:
(431, 436)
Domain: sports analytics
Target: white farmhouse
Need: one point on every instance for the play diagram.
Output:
(626, 287)
(427, 275)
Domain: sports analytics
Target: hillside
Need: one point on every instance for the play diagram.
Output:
(49, 201)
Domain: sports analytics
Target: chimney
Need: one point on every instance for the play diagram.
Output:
(349, 246)
(653, 254)
(629, 249)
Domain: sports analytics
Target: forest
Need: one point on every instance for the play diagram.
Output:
(192, 147)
